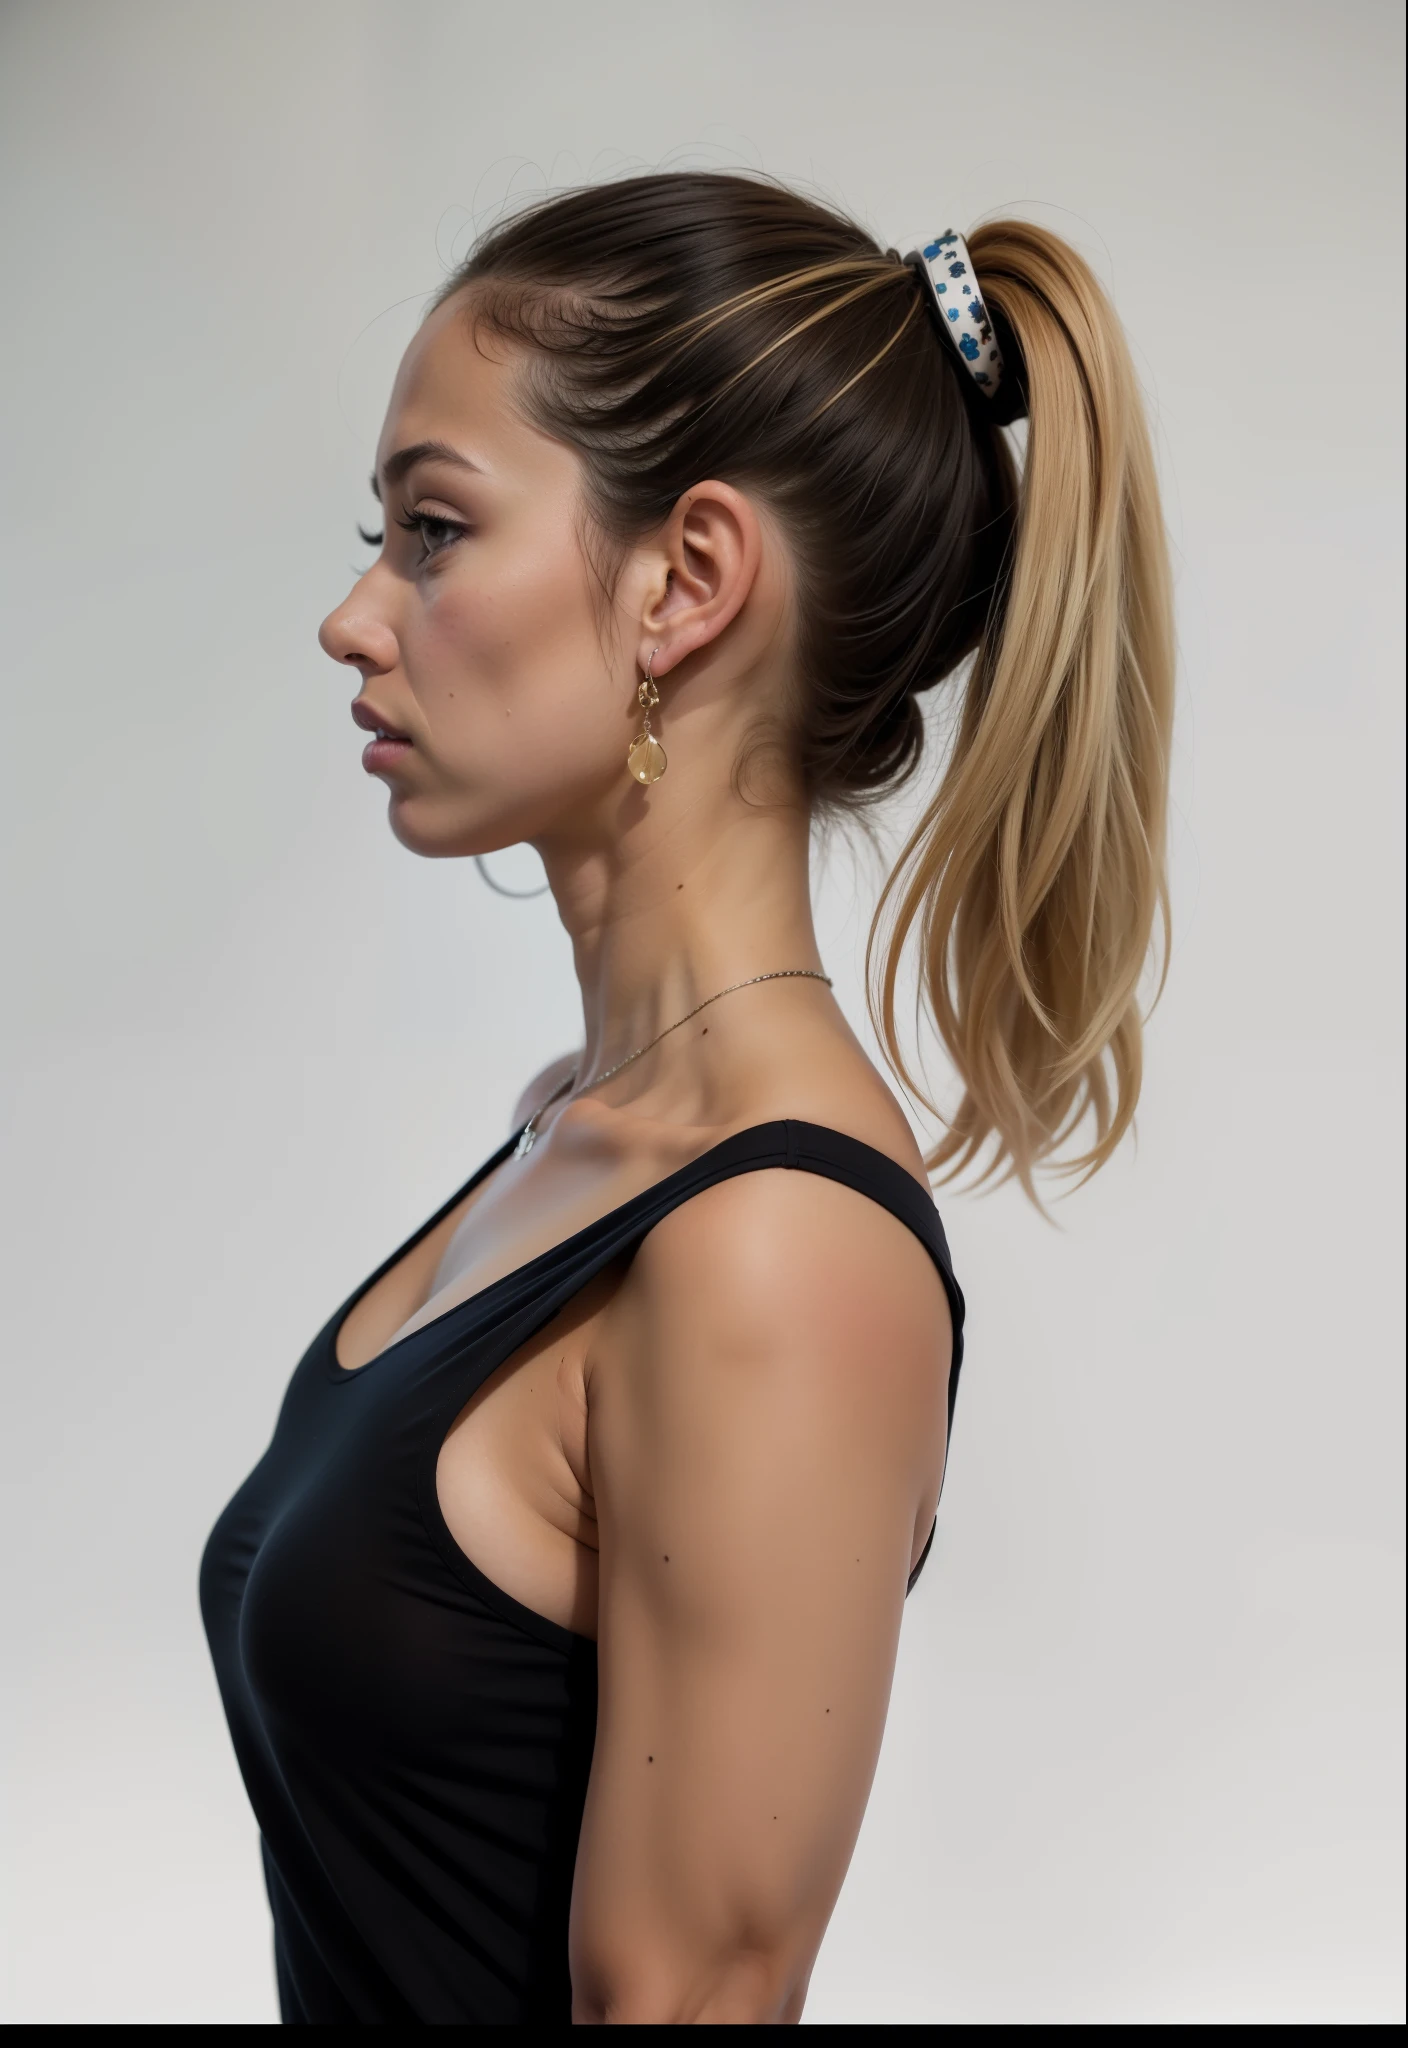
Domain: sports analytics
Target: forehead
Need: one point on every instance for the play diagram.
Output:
(457, 383)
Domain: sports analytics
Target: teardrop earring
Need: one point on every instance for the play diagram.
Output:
(646, 759)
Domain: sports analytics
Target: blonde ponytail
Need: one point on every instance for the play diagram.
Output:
(1035, 877)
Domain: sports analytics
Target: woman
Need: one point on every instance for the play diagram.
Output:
(556, 1626)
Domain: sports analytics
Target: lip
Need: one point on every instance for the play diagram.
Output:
(388, 747)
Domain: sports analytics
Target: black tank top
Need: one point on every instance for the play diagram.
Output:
(415, 1742)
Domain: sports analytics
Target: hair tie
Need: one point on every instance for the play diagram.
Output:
(947, 269)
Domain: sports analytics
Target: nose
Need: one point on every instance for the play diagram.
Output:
(356, 633)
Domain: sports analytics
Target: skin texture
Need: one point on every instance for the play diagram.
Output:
(722, 1458)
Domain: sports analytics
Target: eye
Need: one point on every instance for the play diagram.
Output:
(436, 533)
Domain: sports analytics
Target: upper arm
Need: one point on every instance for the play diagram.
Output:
(766, 1425)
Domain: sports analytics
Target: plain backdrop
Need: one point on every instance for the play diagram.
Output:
(1144, 1756)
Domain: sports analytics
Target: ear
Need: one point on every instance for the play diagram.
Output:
(709, 553)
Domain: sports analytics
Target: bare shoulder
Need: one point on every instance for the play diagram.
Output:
(542, 1088)
(782, 1292)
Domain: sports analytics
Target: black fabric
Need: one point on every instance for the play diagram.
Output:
(415, 1742)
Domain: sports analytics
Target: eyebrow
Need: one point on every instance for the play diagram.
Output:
(396, 466)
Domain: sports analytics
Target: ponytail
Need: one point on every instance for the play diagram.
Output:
(1035, 876)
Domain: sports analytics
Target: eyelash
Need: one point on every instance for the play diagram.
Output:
(417, 522)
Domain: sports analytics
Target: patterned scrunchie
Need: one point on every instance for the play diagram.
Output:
(946, 268)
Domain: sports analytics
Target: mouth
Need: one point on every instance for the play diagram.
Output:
(388, 745)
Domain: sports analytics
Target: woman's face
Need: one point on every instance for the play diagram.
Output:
(508, 711)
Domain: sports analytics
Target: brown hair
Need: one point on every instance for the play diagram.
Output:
(690, 325)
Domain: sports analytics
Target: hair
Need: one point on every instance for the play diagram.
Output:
(688, 325)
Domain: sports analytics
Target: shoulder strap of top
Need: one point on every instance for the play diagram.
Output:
(537, 1289)
(524, 1300)
(814, 1148)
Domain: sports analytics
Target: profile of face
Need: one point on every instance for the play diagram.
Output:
(501, 673)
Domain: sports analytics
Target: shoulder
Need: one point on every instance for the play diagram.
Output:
(781, 1291)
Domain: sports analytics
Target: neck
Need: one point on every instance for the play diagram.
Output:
(689, 899)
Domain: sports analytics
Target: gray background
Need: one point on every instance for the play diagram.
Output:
(1143, 1760)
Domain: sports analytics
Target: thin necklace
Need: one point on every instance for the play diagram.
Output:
(528, 1136)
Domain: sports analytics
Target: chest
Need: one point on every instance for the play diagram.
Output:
(392, 1504)
(578, 1173)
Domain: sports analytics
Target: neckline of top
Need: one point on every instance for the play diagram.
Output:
(789, 1130)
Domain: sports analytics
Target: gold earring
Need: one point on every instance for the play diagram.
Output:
(646, 759)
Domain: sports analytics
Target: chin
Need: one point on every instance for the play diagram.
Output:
(437, 833)
(420, 831)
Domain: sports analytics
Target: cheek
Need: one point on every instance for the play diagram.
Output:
(509, 639)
